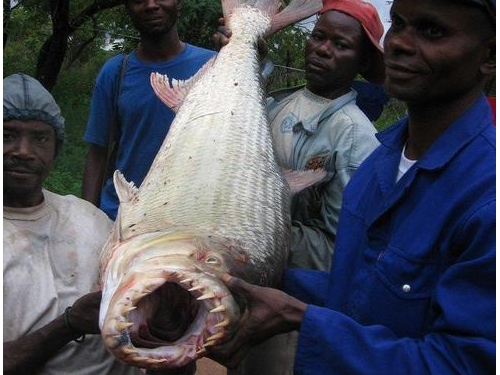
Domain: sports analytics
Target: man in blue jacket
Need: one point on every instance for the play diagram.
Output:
(412, 285)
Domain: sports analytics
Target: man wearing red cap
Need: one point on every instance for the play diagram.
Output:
(320, 126)
(412, 285)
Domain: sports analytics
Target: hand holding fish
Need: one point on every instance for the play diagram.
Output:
(84, 314)
(265, 313)
(223, 34)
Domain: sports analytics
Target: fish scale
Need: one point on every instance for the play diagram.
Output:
(203, 150)
(214, 202)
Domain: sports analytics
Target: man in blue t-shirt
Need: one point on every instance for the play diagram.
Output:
(135, 121)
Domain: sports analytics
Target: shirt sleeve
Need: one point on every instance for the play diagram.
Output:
(102, 106)
(461, 334)
(310, 286)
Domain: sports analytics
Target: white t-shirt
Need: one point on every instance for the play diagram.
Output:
(50, 259)
(404, 164)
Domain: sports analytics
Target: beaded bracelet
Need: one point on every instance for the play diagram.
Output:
(71, 328)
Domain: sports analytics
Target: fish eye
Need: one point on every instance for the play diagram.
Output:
(212, 259)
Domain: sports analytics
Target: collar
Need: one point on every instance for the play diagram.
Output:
(26, 213)
(460, 132)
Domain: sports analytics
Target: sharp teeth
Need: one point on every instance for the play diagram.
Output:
(219, 308)
(112, 342)
(217, 336)
(186, 281)
(224, 323)
(197, 287)
(120, 326)
(153, 361)
(129, 351)
(143, 359)
(209, 343)
(201, 351)
(128, 309)
(138, 296)
(206, 296)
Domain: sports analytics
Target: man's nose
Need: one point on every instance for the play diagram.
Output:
(23, 147)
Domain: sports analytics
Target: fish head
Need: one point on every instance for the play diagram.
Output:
(163, 298)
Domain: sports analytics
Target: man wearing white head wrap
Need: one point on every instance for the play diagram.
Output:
(51, 246)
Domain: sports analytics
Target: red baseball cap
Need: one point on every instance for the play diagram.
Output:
(366, 14)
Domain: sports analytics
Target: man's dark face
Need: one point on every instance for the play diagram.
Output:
(28, 156)
(153, 17)
(333, 54)
(433, 51)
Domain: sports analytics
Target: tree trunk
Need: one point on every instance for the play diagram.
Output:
(6, 18)
(53, 51)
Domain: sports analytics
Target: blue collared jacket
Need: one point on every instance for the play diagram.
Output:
(412, 285)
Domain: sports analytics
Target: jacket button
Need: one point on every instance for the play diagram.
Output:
(406, 288)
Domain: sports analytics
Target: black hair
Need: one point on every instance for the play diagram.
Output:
(488, 7)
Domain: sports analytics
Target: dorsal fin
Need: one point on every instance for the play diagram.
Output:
(173, 94)
(127, 193)
(125, 190)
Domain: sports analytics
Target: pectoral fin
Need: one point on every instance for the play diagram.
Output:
(172, 94)
(299, 180)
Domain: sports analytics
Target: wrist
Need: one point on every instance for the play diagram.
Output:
(294, 313)
(80, 335)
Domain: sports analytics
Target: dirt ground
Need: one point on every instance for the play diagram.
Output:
(206, 366)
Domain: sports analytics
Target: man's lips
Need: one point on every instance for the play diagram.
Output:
(153, 20)
(315, 66)
(19, 172)
(397, 70)
(19, 169)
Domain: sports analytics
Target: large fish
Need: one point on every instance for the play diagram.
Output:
(213, 202)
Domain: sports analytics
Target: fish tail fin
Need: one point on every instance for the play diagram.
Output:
(267, 6)
(295, 11)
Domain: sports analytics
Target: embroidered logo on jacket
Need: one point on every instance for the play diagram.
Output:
(316, 162)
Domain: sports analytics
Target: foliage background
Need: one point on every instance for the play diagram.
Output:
(30, 24)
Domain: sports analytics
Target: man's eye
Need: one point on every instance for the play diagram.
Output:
(396, 22)
(431, 31)
(340, 45)
(42, 139)
(316, 37)
(7, 137)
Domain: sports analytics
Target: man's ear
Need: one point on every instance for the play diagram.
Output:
(488, 65)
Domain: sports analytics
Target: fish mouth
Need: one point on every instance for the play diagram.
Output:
(167, 319)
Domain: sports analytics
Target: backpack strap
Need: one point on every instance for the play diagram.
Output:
(115, 125)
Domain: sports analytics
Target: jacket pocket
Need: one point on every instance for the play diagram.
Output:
(406, 276)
